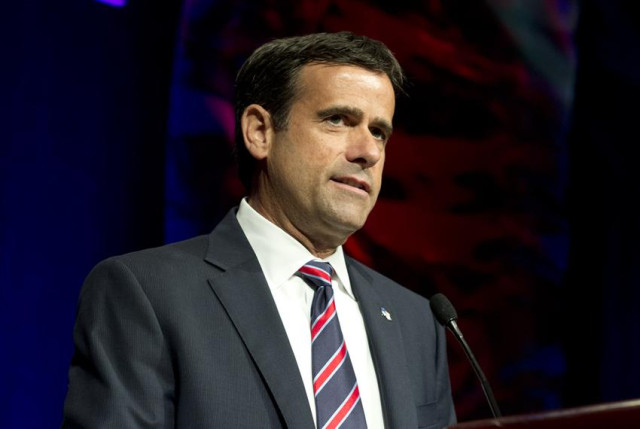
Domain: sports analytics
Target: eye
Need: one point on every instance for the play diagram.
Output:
(378, 134)
(336, 120)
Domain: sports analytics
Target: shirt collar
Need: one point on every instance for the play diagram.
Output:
(279, 254)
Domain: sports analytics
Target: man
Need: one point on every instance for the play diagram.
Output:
(238, 329)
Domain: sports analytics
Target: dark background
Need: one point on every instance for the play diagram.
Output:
(511, 183)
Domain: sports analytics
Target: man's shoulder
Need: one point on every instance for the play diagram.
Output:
(162, 262)
(192, 248)
(385, 284)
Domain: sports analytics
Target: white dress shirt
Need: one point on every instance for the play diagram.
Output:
(280, 257)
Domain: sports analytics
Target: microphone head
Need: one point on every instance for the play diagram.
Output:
(443, 309)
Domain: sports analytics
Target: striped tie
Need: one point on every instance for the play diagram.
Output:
(335, 387)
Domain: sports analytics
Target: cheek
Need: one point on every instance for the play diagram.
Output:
(378, 170)
(315, 161)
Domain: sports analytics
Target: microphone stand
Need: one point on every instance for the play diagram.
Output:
(488, 393)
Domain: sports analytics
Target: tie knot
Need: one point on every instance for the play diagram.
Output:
(318, 273)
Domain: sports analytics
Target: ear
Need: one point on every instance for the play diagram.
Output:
(257, 131)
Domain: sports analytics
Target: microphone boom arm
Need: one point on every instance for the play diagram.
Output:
(488, 393)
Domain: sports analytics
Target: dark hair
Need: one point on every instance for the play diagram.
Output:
(269, 76)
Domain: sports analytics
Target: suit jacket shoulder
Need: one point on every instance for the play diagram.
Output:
(183, 335)
(409, 350)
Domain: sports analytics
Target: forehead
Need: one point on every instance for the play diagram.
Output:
(326, 84)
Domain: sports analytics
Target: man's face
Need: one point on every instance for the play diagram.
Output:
(324, 172)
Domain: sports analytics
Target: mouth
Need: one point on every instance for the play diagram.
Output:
(353, 182)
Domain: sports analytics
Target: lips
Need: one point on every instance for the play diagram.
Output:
(353, 182)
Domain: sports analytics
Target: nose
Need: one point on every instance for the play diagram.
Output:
(363, 148)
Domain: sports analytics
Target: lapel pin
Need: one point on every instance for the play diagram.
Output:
(385, 313)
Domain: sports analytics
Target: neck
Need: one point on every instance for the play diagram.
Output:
(317, 247)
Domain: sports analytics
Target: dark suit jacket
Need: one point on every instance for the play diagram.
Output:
(188, 335)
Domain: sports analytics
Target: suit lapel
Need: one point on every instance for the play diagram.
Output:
(385, 341)
(243, 291)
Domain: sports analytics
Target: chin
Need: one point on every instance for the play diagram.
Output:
(349, 224)
(345, 217)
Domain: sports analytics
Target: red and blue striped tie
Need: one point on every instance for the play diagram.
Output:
(335, 387)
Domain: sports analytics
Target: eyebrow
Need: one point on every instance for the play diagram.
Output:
(381, 123)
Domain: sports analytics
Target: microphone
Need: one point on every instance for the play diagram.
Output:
(447, 316)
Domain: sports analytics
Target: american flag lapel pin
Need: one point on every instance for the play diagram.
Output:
(385, 313)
